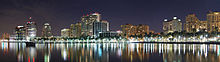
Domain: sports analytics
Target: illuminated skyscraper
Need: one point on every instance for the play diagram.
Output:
(31, 30)
(20, 33)
(87, 23)
(75, 30)
(213, 19)
(170, 26)
(65, 32)
(99, 27)
(46, 32)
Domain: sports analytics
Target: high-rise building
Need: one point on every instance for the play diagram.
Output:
(46, 32)
(65, 33)
(170, 26)
(31, 30)
(129, 29)
(213, 19)
(99, 27)
(20, 33)
(193, 24)
(87, 23)
(142, 29)
(203, 26)
(105, 25)
(75, 30)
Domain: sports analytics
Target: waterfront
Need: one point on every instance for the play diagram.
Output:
(109, 52)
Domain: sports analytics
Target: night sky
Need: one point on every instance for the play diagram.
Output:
(61, 13)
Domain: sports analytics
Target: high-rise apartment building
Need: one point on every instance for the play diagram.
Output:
(46, 32)
(65, 33)
(75, 30)
(193, 24)
(129, 29)
(170, 26)
(213, 19)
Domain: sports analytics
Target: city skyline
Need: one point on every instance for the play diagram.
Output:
(65, 13)
(110, 30)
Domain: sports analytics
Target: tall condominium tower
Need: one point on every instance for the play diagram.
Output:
(213, 19)
(46, 32)
(87, 23)
(75, 30)
(193, 24)
(31, 30)
(170, 26)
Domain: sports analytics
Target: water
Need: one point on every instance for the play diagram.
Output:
(109, 52)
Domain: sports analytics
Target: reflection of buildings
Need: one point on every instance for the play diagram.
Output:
(107, 51)
(170, 26)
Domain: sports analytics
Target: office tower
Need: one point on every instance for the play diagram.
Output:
(170, 26)
(99, 27)
(31, 30)
(75, 30)
(87, 23)
(213, 19)
(65, 33)
(20, 33)
(46, 32)
(193, 24)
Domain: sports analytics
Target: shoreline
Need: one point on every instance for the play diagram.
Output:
(118, 42)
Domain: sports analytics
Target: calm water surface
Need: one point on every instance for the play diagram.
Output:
(109, 52)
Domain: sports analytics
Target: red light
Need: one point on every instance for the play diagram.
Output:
(33, 60)
(29, 60)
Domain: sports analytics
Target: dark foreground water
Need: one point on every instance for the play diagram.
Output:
(109, 52)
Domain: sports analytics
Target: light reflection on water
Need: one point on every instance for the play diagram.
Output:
(109, 52)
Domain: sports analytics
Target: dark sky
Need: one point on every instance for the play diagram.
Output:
(61, 13)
